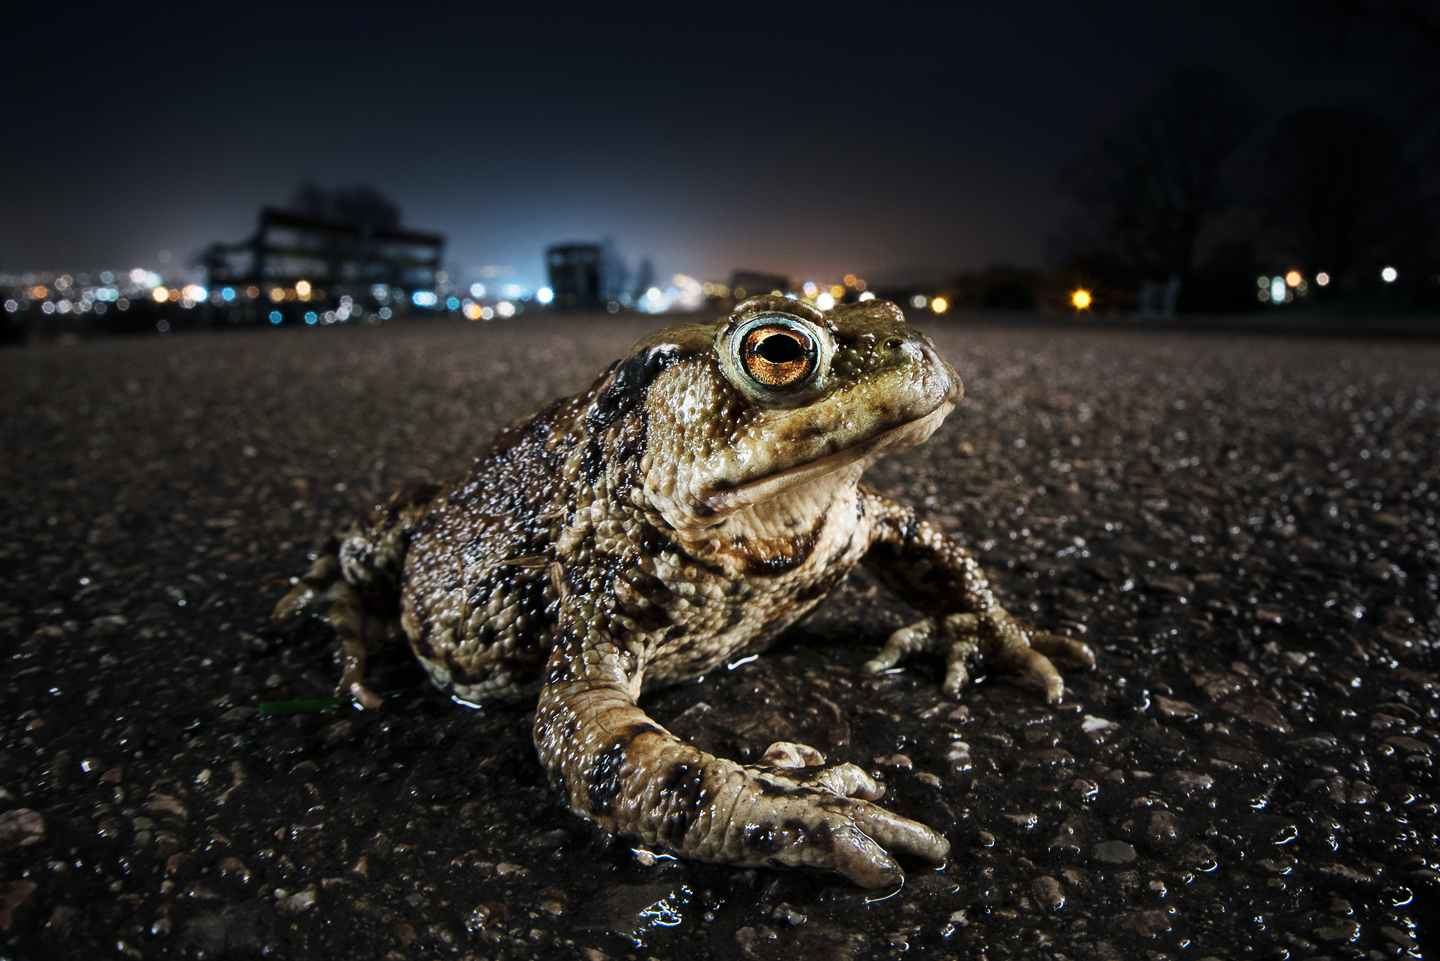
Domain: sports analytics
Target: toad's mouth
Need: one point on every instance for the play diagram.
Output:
(758, 491)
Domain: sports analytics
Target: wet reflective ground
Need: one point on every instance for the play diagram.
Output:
(1244, 528)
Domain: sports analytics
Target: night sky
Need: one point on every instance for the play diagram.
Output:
(816, 141)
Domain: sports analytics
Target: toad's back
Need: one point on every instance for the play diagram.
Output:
(485, 567)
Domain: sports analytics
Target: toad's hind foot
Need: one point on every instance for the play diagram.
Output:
(965, 638)
(324, 585)
(311, 589)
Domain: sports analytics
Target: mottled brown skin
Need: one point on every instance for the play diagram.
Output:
(678, 513)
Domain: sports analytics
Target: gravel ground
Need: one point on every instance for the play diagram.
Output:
(1245, 528)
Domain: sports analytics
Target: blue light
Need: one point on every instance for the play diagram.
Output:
(424, 298)
(275, 317)
(311, 317)
(544, 295)
(452, 303)
(227, 293)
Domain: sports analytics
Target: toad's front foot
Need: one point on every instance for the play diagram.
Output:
(793, 810)
(995, 636)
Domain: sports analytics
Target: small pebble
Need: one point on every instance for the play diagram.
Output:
(297, 903)
(1048, 893)
(21, 827)
(1114, 852)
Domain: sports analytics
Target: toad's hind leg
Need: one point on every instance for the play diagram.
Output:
(357, 574)
(323, 587)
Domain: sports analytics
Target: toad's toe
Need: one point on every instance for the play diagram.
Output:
(1056, 645)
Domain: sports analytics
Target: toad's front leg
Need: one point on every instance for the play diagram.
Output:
(965, 623)
(618, 768)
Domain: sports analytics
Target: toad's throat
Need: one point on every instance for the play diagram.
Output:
(758, 491)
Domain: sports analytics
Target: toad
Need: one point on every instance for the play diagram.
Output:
(696, 500)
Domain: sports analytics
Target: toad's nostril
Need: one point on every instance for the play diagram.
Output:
(894, 343)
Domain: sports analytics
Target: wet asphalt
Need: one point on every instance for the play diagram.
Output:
(1244, 528)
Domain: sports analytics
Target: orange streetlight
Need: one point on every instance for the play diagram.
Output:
(1081, 299)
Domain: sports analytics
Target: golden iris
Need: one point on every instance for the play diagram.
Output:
(778, 355)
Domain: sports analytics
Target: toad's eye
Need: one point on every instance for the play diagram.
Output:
(778, 355)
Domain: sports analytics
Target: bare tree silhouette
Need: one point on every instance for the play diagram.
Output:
(1150, 187)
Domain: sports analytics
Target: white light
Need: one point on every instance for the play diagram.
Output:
(810, 289)
(653, 301)
(687, 293)
(1389, 275)
(1277, 290)
(512, 290)
(824, 301)
(505, 309)
(424, 298)
(477, 290)
(866, 296)
(918, 301)
(544, 295)
(1322, 278)
(487, 313)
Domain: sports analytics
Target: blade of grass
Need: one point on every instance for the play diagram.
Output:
(315, 705)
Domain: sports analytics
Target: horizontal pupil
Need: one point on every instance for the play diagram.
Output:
(780, 349)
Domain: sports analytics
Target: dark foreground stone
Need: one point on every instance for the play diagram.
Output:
(1244, 528)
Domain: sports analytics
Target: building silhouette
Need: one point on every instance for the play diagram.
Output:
(576, 273)
(288, 245)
